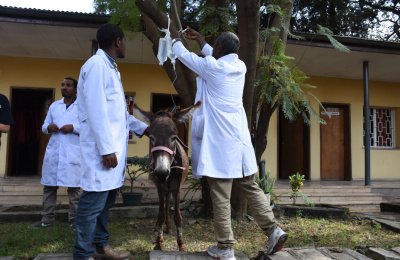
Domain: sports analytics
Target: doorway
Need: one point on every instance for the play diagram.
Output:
(335, 142)
(26, 143)
(294, 147)
(164, 101)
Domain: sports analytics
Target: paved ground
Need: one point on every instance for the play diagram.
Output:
(389, 217)
(304, 253)
(286, 254)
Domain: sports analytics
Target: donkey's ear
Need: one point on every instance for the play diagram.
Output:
(146, 116)
(183, 115)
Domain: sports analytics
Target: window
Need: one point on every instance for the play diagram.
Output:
(130, 99)
(382, 128)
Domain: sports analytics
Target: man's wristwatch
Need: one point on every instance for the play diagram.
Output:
(175, 40)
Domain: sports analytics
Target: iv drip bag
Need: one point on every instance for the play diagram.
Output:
(165, 47)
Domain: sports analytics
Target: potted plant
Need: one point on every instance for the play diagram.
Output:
(267, 186)
(135, 167)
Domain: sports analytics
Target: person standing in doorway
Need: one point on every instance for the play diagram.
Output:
(61, 164)
(6, 118)
(105, 125)
(222, 120)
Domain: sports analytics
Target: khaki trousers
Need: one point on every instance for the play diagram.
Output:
(220, 191)
(50, 201)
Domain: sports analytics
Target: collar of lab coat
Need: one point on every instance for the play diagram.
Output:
(74, 102)
(231, 56)
(104, 55)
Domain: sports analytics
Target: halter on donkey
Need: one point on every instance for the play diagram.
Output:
(169, 165)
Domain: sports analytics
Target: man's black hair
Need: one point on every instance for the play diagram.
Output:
(107, 33)
(74, 81)
(229, 41)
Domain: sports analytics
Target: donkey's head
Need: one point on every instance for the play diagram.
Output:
(163, 136)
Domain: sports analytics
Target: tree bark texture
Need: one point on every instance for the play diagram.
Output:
(154, 18)
(248, 15)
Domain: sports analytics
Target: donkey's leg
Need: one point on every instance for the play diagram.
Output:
(167, 216)
(178, 219)
(160, 218)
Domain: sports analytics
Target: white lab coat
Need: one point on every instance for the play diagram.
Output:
(61, 164)
(221, 144)
(104, 122)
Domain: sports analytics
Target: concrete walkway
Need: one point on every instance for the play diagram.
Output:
(389, 217)
(303, 253)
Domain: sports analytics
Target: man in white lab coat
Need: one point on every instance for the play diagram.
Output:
(221, 145)
(105, 125)
(61, 164)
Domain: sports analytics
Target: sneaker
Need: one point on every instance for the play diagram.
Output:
(276, 241)
(215, 252)
(72, 225)
(42, 224)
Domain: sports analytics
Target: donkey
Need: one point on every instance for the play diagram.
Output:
(169, 165)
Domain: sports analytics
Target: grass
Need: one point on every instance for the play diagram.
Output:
(138, 236)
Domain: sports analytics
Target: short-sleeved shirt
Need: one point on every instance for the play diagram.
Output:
(5, 112)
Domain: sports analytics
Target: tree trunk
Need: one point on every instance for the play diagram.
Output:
(205, 194)
(154, 18)
(266, 111)
(248, 12)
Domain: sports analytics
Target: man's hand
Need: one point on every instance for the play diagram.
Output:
(53, 128)
(174, 33)
(146, 132)
(193, 35)
(110, 160)
(67, 129)
(4, 128)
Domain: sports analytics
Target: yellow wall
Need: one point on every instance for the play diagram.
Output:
(385, 163)
(147, 79)
(49, 73)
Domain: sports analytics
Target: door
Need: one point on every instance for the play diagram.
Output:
(27, 143)
(294, 147)
(335, 143)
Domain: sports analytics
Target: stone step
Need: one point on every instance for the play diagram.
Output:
(308, 190)
(390, 207)
(357, 198)
(327, 189)
(361, 207)
(33, 198)
(380, 253)
(173, 255)
(312, 253)
(325, 197)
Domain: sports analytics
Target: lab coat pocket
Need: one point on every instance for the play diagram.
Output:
(198, 126)
(112, 93)
(74, 154)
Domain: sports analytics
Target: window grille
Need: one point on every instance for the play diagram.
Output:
(382, 128)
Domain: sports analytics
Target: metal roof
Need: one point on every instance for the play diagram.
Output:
(26, 32)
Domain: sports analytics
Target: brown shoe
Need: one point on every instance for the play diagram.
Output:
(110, 254)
